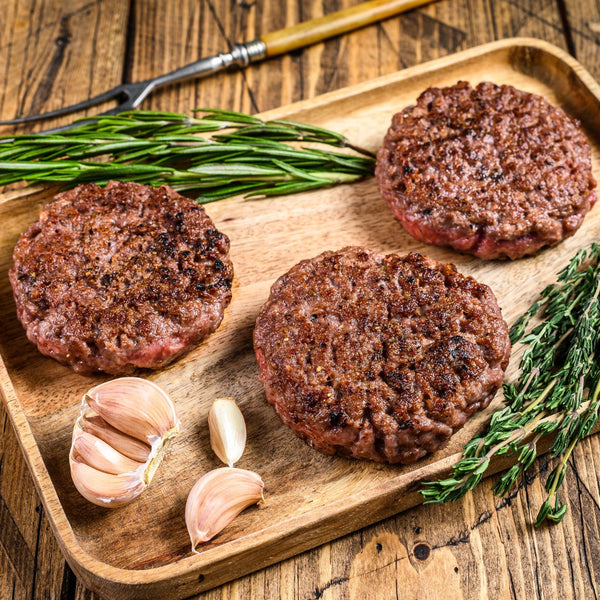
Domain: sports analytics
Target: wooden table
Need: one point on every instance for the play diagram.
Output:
(57, 52)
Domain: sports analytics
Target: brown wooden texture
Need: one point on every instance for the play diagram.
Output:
(54, 52)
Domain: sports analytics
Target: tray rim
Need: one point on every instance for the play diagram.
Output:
(102, 577)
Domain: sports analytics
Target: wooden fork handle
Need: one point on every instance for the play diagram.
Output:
(348, 19)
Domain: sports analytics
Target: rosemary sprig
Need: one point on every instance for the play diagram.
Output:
(215, 155)
(557, 391)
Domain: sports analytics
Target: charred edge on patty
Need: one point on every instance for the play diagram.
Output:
(492, 171)
(379, 357)
(120, 278)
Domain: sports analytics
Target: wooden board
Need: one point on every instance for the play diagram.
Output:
(142, 550)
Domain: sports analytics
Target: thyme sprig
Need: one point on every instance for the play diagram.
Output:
(557, 390)
(215, 155)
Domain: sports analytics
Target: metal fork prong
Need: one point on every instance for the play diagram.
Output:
(119, 91)
(134, 93)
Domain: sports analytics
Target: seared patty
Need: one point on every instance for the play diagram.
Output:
(379, 357)
(120, 278)
(492, 171)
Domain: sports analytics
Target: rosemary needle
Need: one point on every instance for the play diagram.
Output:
(557, 390)
(215, 155)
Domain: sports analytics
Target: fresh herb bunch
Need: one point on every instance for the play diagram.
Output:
(557, 391)
(250, 157)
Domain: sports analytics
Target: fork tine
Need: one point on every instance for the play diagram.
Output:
(127, 104)
(114, 93)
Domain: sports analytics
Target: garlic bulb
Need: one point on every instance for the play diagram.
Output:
(119, 438)
(217, 498)
(227, 430)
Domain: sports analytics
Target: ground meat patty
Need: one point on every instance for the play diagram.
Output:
(492, 171)
(119, 278)
(379, 357)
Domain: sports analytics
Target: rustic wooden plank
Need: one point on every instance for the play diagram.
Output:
(583, 20)
(10, 585)
(356, 57)
(294, 492)
(185, 32)
(52, 571)
(29, 547)
(482, 547)
(327, 571)
(502, 565)
(54, 53)
(472, 549)
(18, 492)
(50, 55)
(181, 33)
(17, 562)
(40, 568)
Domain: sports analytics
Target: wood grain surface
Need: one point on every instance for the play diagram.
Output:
(53, 53)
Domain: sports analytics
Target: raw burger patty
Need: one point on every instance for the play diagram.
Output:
(379, 357)
(492, 171)
(119, 278)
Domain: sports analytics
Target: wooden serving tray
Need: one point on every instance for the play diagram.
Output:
(143, 550)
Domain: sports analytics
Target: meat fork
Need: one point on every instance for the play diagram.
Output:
(130, 95)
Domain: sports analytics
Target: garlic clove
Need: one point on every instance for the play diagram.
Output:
(227, 430)
(106, 489)
(96, 453)
(217, 498)
(136, 407)
(127, 445)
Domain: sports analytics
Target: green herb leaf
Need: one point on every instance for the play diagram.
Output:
(557, 390)
(243, 156)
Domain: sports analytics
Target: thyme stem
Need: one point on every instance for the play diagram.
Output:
(557, 391)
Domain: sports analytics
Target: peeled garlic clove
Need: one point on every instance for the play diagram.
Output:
(217, 498)
(119, 439)
(106, 489)
(127, 445)
(227, 430)
(135, 406)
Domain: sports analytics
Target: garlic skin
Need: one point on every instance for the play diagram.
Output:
(227, 430)
(150, 414)
(106, 489)
(119, 439)
(96, 453)
(217, 498)
(127, 445)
